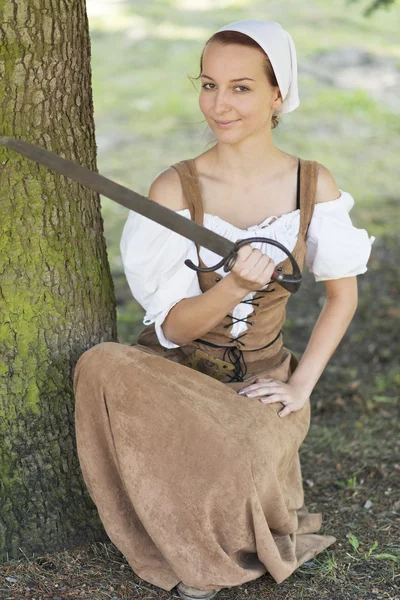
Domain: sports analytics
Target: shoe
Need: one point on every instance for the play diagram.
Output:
(190, 593)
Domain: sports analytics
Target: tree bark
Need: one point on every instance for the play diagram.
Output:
(56, 291)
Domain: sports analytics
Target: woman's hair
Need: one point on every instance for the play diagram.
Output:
(241, 39)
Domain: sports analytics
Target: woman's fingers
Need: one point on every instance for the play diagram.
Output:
(252, 268)
(286, 411)
(264, 390)
(264, 269)
(260, 383)
(254, 264)
(271, 392)
(244, 252)
(277, 397)
(288, 407)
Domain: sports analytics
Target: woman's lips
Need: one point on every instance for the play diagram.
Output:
(225, 123)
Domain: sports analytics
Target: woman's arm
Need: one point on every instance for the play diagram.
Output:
(192, 317)
(338, 310)
(332, 323)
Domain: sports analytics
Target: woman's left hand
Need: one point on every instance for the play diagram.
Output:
(271, 390)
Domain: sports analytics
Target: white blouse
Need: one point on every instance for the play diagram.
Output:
(153, 256)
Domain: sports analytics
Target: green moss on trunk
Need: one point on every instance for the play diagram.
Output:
(56, 291)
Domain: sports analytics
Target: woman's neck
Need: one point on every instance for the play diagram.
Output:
(250, 159)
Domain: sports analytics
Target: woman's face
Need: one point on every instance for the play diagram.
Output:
(236, 109)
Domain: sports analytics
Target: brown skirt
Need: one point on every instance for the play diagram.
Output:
(192, 481)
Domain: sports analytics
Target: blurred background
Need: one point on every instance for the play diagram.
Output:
(147, 115)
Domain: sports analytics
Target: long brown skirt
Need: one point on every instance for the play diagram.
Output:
(192, 481)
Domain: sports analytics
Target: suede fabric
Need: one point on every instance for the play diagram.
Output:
(192, 481)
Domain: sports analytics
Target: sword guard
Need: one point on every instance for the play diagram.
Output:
(290, 282)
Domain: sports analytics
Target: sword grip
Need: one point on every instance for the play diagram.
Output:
(290, 282)
(277, 276)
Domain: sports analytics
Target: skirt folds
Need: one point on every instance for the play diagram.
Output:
(192, 481)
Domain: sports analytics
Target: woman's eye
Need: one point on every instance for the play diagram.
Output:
(242, 88)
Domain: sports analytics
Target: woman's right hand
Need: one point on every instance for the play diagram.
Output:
(252, 269)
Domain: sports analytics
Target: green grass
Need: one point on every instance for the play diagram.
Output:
(147, 114)
(147, 118)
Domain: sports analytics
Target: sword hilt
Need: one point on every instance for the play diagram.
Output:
(290, 282)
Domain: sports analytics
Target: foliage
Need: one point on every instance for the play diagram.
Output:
(147, 115)
(377, 4)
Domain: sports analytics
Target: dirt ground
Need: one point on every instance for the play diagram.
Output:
(350, 461)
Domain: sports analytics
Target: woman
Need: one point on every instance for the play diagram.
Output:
(188, 441)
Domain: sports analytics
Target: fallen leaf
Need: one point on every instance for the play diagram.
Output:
(339, 401)
(386, 414)
(353, 385)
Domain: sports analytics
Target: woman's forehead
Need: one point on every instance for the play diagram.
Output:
(232, 61)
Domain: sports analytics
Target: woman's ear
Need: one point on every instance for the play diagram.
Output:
(278, 99)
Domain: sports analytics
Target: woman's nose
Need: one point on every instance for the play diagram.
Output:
(221, 103)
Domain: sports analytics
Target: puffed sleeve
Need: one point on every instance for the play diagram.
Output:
(153, 259)
(335, 248)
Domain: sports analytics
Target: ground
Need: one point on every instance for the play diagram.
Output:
(351, 471)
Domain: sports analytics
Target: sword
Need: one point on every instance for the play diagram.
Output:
(155, 212)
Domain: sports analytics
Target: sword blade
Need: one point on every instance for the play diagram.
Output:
(123, 195)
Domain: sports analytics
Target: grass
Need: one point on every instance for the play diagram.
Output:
(340, 476)
(147, 116)
(350, 463)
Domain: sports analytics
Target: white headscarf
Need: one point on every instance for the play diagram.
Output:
(277, 43)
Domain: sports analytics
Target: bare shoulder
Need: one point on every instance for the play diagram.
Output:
(327, 188)
(166, 189)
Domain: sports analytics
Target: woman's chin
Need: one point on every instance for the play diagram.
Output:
(230, 139)
(227, 135)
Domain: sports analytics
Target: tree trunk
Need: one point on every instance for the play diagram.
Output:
(56, 292)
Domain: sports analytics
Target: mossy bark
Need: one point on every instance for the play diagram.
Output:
(56, 292)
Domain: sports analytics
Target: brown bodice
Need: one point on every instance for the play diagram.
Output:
(262, 342)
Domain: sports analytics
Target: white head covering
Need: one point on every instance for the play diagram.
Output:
(277, 43)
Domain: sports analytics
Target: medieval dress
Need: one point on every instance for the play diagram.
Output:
(192, 481)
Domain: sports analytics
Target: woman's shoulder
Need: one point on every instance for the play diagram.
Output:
(327, 188)
(166, 189)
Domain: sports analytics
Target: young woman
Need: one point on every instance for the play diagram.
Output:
(188, 441)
